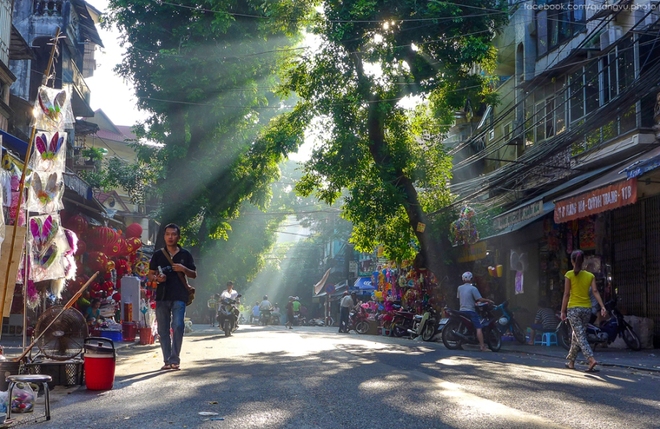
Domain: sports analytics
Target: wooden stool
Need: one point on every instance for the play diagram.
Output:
(32, 378)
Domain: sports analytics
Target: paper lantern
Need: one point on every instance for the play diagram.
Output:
(82, 248)
(134, 230)
(102, 237)
(115, 248)
(97, 261)
(78, 224)
(133, 244)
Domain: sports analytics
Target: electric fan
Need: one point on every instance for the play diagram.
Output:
(64, 339)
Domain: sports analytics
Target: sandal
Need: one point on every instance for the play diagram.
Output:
(166, 367)
(175, 367)
(592, 366)
(570, 365)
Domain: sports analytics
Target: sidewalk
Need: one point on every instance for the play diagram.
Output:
(645, 359)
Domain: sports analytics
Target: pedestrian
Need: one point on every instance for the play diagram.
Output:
(289, 313)
(172, 293)
(576, 306)
(469, 295)
(345, 306)
(212, 305)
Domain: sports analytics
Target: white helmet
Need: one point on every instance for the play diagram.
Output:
(467, 276)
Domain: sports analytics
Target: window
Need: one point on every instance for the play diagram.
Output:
(506, 132)
(557, 21)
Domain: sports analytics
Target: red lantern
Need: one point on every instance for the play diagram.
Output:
(82, 248)
(97, 261)
(134, 230)
(78, 224)
(117, 297)
(102, 237)
(133, 244)
(114, 249)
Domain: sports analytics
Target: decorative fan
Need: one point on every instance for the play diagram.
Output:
(64, 339)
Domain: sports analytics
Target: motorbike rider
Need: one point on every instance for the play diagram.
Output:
(231, 294)
(469, 295)
(265, 305)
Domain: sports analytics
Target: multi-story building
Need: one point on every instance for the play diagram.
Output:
(38, 21)
(566, 159)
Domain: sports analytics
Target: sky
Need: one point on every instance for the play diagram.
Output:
(115, 96)
(109, 91)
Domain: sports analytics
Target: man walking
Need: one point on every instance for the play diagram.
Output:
(345, 306)
(212, 305)
(172, 293)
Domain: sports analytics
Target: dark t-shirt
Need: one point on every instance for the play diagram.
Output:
(172, 289)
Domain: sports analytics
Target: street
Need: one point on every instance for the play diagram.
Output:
(312, 377)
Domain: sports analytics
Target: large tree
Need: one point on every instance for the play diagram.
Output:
(368, 58)
(205, 71)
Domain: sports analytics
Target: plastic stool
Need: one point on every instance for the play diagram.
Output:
(549, 339)
(32, 378)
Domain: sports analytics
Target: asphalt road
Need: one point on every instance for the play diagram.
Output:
(312, 377)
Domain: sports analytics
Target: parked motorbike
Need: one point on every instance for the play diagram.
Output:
(459, 329)
(506, 322)
(426, 324)
(315, 322)
(228, 316)
(608, 331)
(358, 321)
(402, 322)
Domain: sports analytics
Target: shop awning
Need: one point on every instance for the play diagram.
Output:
(14, 143)
(536, 208)
(545, 209)
(363, 284)
(615, 189)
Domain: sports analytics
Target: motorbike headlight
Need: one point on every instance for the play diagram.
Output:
(503, 321)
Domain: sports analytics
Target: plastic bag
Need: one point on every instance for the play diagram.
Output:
(3, 402)
(22, 398)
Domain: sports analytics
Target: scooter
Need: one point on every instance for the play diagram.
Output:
(358, 321)
(506, 322)
(228, 316)
(608, 331)
(425, 325)
(264, 317)
(460, 330)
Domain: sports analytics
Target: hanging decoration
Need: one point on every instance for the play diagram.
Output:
(463, 230)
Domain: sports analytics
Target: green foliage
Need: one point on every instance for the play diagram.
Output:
(206, 71)
(369, 57)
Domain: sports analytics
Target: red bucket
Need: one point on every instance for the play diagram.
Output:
(100, 359)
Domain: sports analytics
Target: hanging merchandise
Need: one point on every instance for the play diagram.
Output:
(47, 244)
(45, 193)
(50, 153)
(54, 110)
(464, 230)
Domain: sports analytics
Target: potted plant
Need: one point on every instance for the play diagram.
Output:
(93, 155)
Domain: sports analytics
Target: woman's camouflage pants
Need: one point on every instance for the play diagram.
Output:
(579, 318)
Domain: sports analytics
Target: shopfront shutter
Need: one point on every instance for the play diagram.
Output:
(652, 226)
(629, 272)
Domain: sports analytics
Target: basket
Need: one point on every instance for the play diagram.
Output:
(64, 373)
(146, 336)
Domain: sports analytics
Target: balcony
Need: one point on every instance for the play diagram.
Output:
(81, 95)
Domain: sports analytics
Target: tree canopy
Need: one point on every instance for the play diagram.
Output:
(369, 58)
(205, 70)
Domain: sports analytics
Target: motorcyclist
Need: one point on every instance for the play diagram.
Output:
(265, 308)
(469, 295)
(231, 294)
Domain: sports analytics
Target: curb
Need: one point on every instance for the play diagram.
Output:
(605, 364)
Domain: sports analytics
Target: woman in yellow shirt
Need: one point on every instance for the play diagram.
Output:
(576, 306)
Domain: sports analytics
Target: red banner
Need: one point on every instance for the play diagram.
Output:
(599, 200)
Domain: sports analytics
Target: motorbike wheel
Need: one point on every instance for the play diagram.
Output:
(449, 339)
(429, 330)
(227, 328)
(631, 339)
(517, 332)
(362, 327)
(494, 340)
(565, 335)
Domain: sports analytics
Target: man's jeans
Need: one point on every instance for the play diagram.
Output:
(170, 313)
